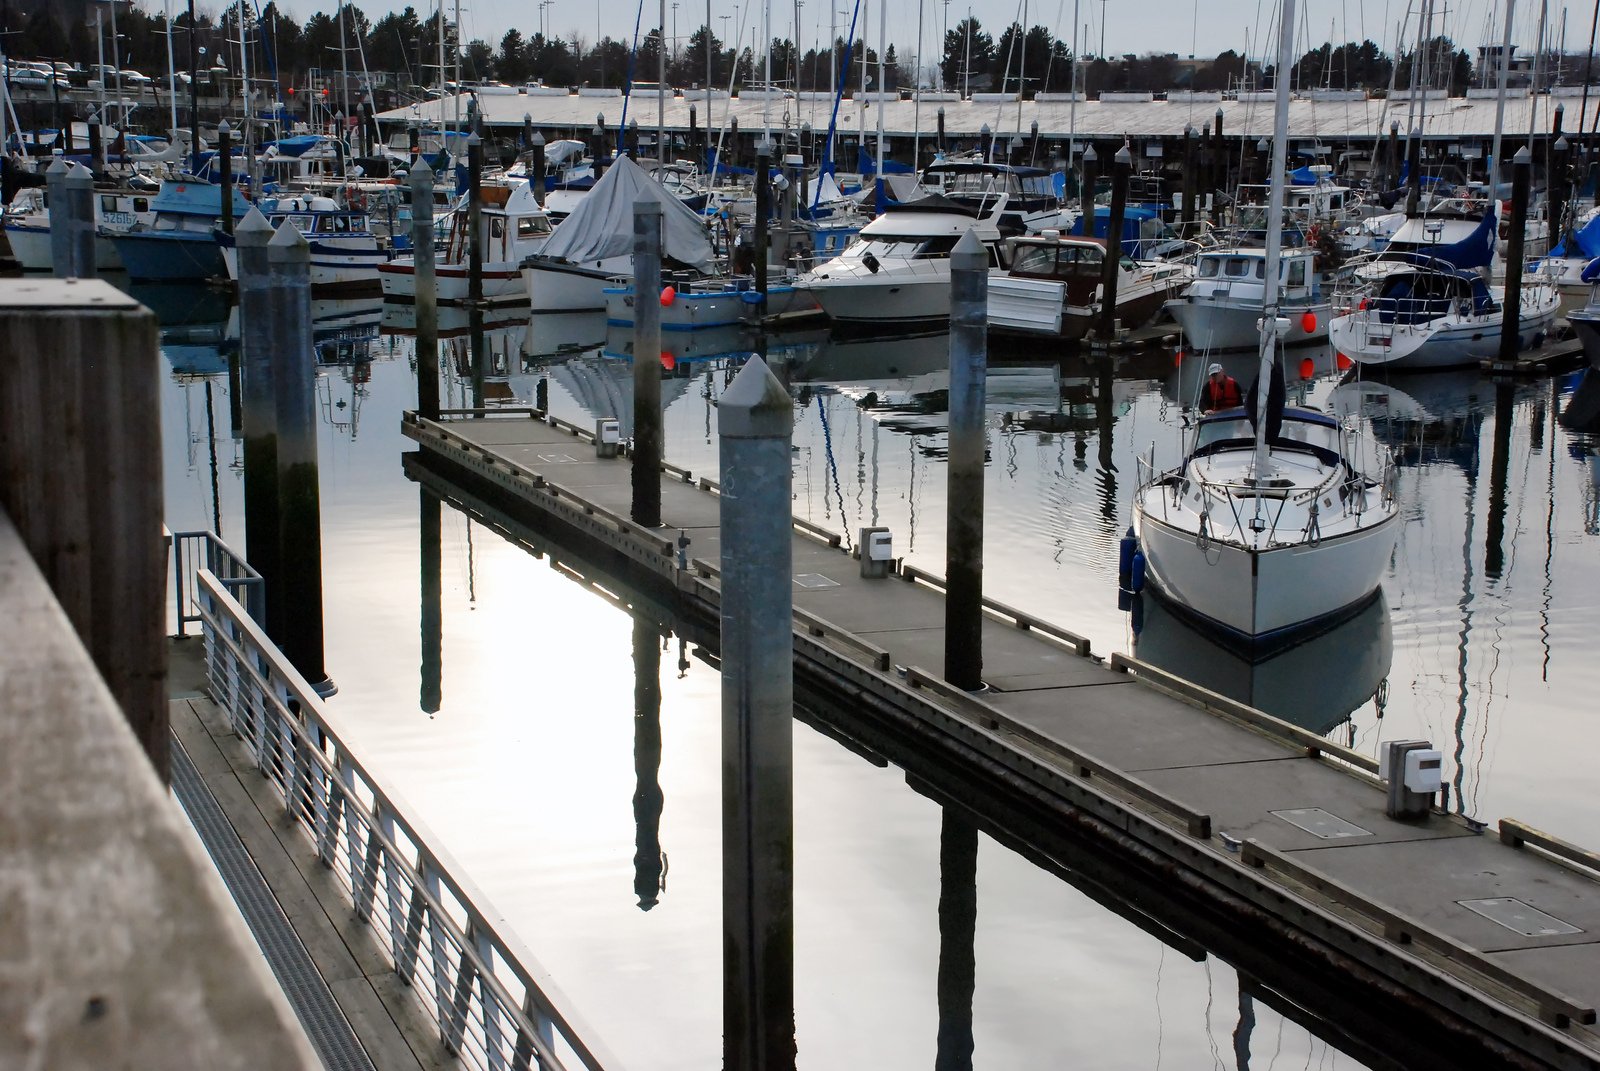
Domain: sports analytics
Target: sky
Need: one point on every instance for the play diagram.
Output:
(1198, 27)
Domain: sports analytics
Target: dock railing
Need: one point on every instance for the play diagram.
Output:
(194, 551)
(495, 1008)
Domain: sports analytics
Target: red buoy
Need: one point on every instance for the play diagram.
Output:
(1344, 362)
(1177, 359)
(668, 361)
(1308, 321)
(669, 294)
(1308, 368)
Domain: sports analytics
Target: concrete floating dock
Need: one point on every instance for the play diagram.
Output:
(1484, 948)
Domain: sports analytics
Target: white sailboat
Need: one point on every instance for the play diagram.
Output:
(1272, 521)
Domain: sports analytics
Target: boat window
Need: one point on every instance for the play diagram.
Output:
(1219, 430)
(497, 227)
(1038, 186)
(532, 226)
(1295, 272)
(1208, 267)
(1237, 268)
(108, 202)
(936, 248)
(300, 223)
(880, 247)
(1033, 260)
(1318, 435)
(141, 204)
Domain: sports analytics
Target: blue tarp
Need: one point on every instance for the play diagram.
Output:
(867, 164)
(1132, 218)
(1587, 242)
(1303, 176)
(1476, 250)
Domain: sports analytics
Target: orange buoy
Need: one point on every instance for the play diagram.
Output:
(1177, 359)
(1308, 321)
(1344, 362)
(669, 294)
(1308, 368)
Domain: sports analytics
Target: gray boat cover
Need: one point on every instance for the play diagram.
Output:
(602, 225)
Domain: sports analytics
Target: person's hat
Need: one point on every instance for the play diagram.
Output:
(1214, 370)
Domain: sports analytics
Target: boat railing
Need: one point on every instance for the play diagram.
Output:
(194, 551)
(493, 1005)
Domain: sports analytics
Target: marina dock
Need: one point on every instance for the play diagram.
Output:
(1486, 941)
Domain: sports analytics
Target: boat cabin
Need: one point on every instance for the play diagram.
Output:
(315, 217)
(1242, 272)
(1020, 193)
(1077, 261)
(1425, 294)
(1304, 429)
(512, 226)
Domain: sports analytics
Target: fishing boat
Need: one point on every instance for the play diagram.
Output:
(593, 248)
(897, 271)
(511, 227)
(1419, 310)
(177, 244)
(1051, 287)
(690, 301)
(27, 226)
(1273, 520)
(345, 253)
(1225, 304)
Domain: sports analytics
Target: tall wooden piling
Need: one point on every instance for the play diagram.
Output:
(474, 218)
(1559, 185)
(258, 333)
(646, 451)
(1414, 172)
(426, 288)
(225, 173)
(763, 220)
(648, 800)
(968, 446)
(70, 189)
(80, 477)
(1511, 303)
(1190, 182)
(1219, 165)
(537, 166)
(1090, 164)
(299, 590)
(1112, 265)
(756, 427)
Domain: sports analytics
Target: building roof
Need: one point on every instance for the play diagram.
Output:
(1335, 120)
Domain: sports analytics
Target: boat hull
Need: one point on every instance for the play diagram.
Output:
(501, 281)
(1586, 325)
(1437, 345)
(716, 308)
(1263, 597)
(30, 245)
(1210, 325)
(556, 287)
(334, 269)
(887, 300)
(170, 256)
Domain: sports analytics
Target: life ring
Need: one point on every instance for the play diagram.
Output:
(356, 200)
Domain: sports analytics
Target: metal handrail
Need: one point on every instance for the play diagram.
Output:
(495, 1008)
(193, 551)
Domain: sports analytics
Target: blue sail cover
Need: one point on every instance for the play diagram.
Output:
(1302, 176)
(1476, 250)
(866, 163)
(1586, 241)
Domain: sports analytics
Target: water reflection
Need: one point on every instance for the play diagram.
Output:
(958, 925)
(431, 616)
(649, 861)
(1315, 684)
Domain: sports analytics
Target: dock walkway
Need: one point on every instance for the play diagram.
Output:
(356, 1012)
(1496, 940)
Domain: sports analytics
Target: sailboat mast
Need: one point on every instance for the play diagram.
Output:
(1270, 327)
(244, 75)
(661, 87)
(883, 85)
(172, 78)
(1500, 97)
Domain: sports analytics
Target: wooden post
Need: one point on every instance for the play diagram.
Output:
(647, 417)
(968, 445)
(80, 477)
(1121, 165)
(1511, 302)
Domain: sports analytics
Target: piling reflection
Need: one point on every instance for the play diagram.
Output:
(431, 617)
(1494, 553)
(958, 925)
(649, 862)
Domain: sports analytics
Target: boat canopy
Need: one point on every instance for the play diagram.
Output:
(1585, 243)
(601, 226)
(1476, 250)
(1429, 292)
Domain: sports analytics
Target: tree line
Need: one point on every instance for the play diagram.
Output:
(406, 44)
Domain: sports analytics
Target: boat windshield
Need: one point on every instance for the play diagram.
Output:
(1321, 437)
(1058, 261)
(904, 248)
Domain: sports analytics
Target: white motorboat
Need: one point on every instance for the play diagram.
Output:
(593, 248)
(1052, 287)
(1276, 517)
(345, 253)
(1225, 304)
(897, 271)
(512, 227)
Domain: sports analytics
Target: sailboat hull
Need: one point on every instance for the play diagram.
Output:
(1443, 343)
(1267, 596)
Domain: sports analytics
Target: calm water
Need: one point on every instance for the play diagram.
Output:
(526, 769)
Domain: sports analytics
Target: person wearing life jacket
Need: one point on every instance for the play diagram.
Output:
(1221, 391)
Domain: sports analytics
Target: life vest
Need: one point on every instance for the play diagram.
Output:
(1224, 395)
